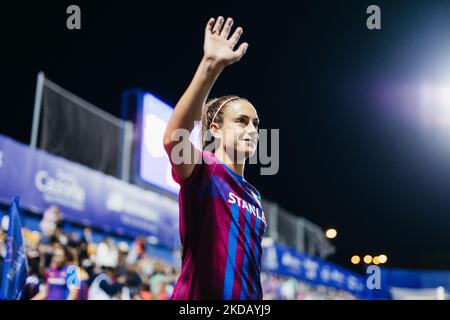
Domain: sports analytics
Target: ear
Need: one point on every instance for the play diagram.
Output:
(214, 127)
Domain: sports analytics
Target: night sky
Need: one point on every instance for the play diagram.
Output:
(349, 157)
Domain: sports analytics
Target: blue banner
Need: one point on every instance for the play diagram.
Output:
(84, 195)
(410, 279)
(15, 270)
(285, 261)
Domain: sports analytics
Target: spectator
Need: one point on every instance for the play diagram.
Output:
(161, 293)
(157, 277)
(145, 293)
(138, 250)
(55, 286)
(134, 280)
(87, 236)
(103, 287)
(83, 276)
(123, 253)
(50, 221)
(107, 254)
(31, 288)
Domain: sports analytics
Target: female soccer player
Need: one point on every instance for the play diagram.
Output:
(221, 219)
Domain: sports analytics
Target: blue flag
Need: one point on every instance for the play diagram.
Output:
(15, 269)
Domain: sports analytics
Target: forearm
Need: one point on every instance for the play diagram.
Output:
(188, 108)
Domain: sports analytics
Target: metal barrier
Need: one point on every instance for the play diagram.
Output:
(295, 231)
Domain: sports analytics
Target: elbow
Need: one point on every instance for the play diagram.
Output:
(174, 136)
(168, 142)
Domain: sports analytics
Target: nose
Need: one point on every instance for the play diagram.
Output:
(252, 127)
(253, 132)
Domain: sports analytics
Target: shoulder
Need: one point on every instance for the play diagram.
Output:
(204, 168)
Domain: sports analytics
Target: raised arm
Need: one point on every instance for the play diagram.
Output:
(218, 52)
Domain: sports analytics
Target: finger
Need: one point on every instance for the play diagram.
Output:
(226, 29)
(218, 25)
(242, 50)
(236, 36)
(210, 25)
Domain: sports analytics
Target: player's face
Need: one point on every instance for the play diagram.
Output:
(239, 132)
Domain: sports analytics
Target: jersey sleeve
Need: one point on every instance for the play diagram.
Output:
(202, 170)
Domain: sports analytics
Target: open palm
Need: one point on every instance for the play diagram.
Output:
(218, 46)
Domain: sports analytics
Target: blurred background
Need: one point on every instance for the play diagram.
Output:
(364, 120)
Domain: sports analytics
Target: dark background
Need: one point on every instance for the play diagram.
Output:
(313, 70)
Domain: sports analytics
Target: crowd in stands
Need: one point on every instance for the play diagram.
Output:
(73, 266)
(276, 287)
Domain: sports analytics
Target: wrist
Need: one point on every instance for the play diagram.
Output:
(212, 65)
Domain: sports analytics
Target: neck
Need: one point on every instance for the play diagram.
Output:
(229, 162)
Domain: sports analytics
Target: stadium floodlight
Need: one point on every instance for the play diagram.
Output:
(367, 259)
(331, 233)
(382, 258)
(435, 105)
(356, 259)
